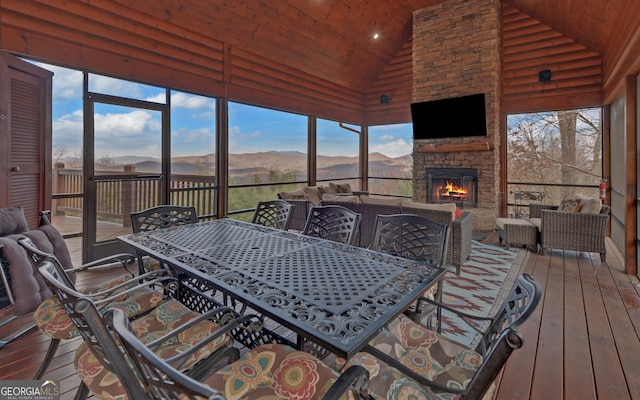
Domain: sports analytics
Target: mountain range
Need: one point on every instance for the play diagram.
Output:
(262, 163)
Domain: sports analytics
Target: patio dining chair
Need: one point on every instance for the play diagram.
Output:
(415, 238)
(160, 217)
(406, 357)
(194, 354)
(49, 315)
(273, 371)
(273, 214)
(333, 222)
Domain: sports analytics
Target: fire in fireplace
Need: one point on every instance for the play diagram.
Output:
(453, 185)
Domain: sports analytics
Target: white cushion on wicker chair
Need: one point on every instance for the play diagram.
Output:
(501, 222)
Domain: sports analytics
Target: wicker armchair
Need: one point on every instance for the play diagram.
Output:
(571, 230)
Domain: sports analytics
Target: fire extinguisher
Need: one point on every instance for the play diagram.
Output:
(603, 189)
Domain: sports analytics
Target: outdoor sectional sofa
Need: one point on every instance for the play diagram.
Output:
(460, 236)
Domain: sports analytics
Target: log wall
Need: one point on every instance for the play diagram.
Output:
(111, 39)
(528, 46)
(396, 81)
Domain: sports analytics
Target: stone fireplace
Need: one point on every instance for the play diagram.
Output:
(456, 52)
(453, 185)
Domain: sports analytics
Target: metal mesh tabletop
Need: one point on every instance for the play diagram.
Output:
(331, 280)
(334, 294)
(191, 238)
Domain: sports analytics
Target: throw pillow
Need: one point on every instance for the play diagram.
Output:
(331, 189)
(458, 212)
(314, 193)
(340, 187)
(570, 203)
(589, 204)
(12, 221)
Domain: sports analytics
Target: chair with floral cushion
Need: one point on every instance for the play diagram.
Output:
(269, 371)
(197, 354)
(335, 223)
(160, 217)
(274, 214)
(407, 358)
(50, 316)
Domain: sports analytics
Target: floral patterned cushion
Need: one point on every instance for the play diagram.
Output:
(166, 317)
(53, 320)
(425, 352)
(151, 264)
(272, 372)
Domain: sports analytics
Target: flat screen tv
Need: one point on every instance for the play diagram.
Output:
(448, 118)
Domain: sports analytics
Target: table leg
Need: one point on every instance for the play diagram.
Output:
(438, 298)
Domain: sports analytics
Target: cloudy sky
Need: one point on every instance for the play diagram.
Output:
(124, 131)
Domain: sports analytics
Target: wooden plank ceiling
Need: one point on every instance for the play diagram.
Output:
(320, 51)
(333, 40)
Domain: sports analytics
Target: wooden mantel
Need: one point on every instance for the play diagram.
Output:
(453, 148)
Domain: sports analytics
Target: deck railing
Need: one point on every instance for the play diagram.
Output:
(120, 193)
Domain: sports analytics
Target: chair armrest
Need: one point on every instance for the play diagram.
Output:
(468, 319)
(461, 237)
(123, 258)
(409, 372)
(228, 320)
(574, 222)
(109, 295)
(356, 376)
(148, 279)
(98, 297)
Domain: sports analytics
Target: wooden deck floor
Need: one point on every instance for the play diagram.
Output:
(582, 341)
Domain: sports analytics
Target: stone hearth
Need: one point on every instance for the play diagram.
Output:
(456, 52)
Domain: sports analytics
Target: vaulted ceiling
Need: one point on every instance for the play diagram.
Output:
(310, 56)
(334, 39)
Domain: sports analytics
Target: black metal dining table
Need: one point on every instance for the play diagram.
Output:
(336, 296)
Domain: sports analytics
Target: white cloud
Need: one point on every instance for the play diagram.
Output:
(199, 135)
(396, 148)
(387, 138)
(67, 83)
(158, 98)
(105, 84)
(123, 124)
(184, 100)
